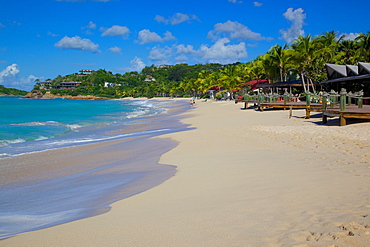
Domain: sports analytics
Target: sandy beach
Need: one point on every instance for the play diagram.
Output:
(244, 178)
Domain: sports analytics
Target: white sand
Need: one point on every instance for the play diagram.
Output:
(245, 178)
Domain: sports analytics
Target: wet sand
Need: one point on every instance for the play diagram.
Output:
(244, 178)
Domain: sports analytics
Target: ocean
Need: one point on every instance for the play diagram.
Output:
(37, 192)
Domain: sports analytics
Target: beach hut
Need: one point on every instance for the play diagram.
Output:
(254, 84)
(284, 85)
(353, 78)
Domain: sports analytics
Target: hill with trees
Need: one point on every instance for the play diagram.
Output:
(303, 59)
(11, 91)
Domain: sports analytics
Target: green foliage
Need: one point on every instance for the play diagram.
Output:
(11, 91)
(304, 58)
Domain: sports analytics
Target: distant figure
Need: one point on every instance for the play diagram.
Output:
(192, 101)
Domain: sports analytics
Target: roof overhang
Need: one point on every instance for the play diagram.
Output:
(358, 78)
(296, 83)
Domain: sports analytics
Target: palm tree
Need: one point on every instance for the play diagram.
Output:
(364, 46)
(327, 45)
(231, 79)
(280, 57)
(305, 51)
(348, 52)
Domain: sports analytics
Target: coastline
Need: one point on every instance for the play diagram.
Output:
(244, 178)
(58, 185)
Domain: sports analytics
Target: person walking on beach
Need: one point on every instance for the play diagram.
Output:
(192, 101)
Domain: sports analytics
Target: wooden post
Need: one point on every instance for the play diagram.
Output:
(360, 102)
(290, 111)
(324, 118)
(349, 98)
(285, 98)
(308, 99)
(308, 113)
(343, 97)
(342, 120)
(332, 98)
(324, 99)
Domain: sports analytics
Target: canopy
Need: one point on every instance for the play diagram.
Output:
(335, 71)
(254, 84)
(344, 73)
(296, 83)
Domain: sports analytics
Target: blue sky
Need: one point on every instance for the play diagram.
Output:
(41, 39)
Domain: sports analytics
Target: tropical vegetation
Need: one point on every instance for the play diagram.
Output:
(303, 59)
(11, 91)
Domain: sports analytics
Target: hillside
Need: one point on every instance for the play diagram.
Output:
(11, 91)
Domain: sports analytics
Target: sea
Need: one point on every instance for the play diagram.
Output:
(48, 197)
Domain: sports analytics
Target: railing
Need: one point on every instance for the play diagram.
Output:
(330, 99)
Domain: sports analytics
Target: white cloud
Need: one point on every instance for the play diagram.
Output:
(1, 25)
(235, 1)
(77, 43)
(185, 49)
(52, 34)
(297, 18)
(15, 23)
(146, 36)
(350, 36)
(9, 78)
(234, 30)
(91, 25)
(257, 4)
(137, 64)
(176, 18)
(222, 53)
(115, 30)
(161, 55)
(9, 72)
(181, 59)
(115, 49)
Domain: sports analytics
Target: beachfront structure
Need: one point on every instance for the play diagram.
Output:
(86, 71)
(149, 78)
(165, 66)
(68, 85)
(109, 84)
(352, 77)
(45, 84)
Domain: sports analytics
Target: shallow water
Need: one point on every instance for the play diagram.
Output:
(72, 181)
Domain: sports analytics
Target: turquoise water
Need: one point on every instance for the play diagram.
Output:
(30, 125)
(25, 120)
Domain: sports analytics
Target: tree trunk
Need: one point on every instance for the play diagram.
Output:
(313, 87)
(304, 85)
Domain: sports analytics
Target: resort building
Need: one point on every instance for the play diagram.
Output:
(68, 85)
(86, 71)
(45, 84)
(149, 78)
(165, 66)
(109, 84)
(348, 76)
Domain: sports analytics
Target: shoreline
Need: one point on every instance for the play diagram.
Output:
(112, 168)
(244, 178)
